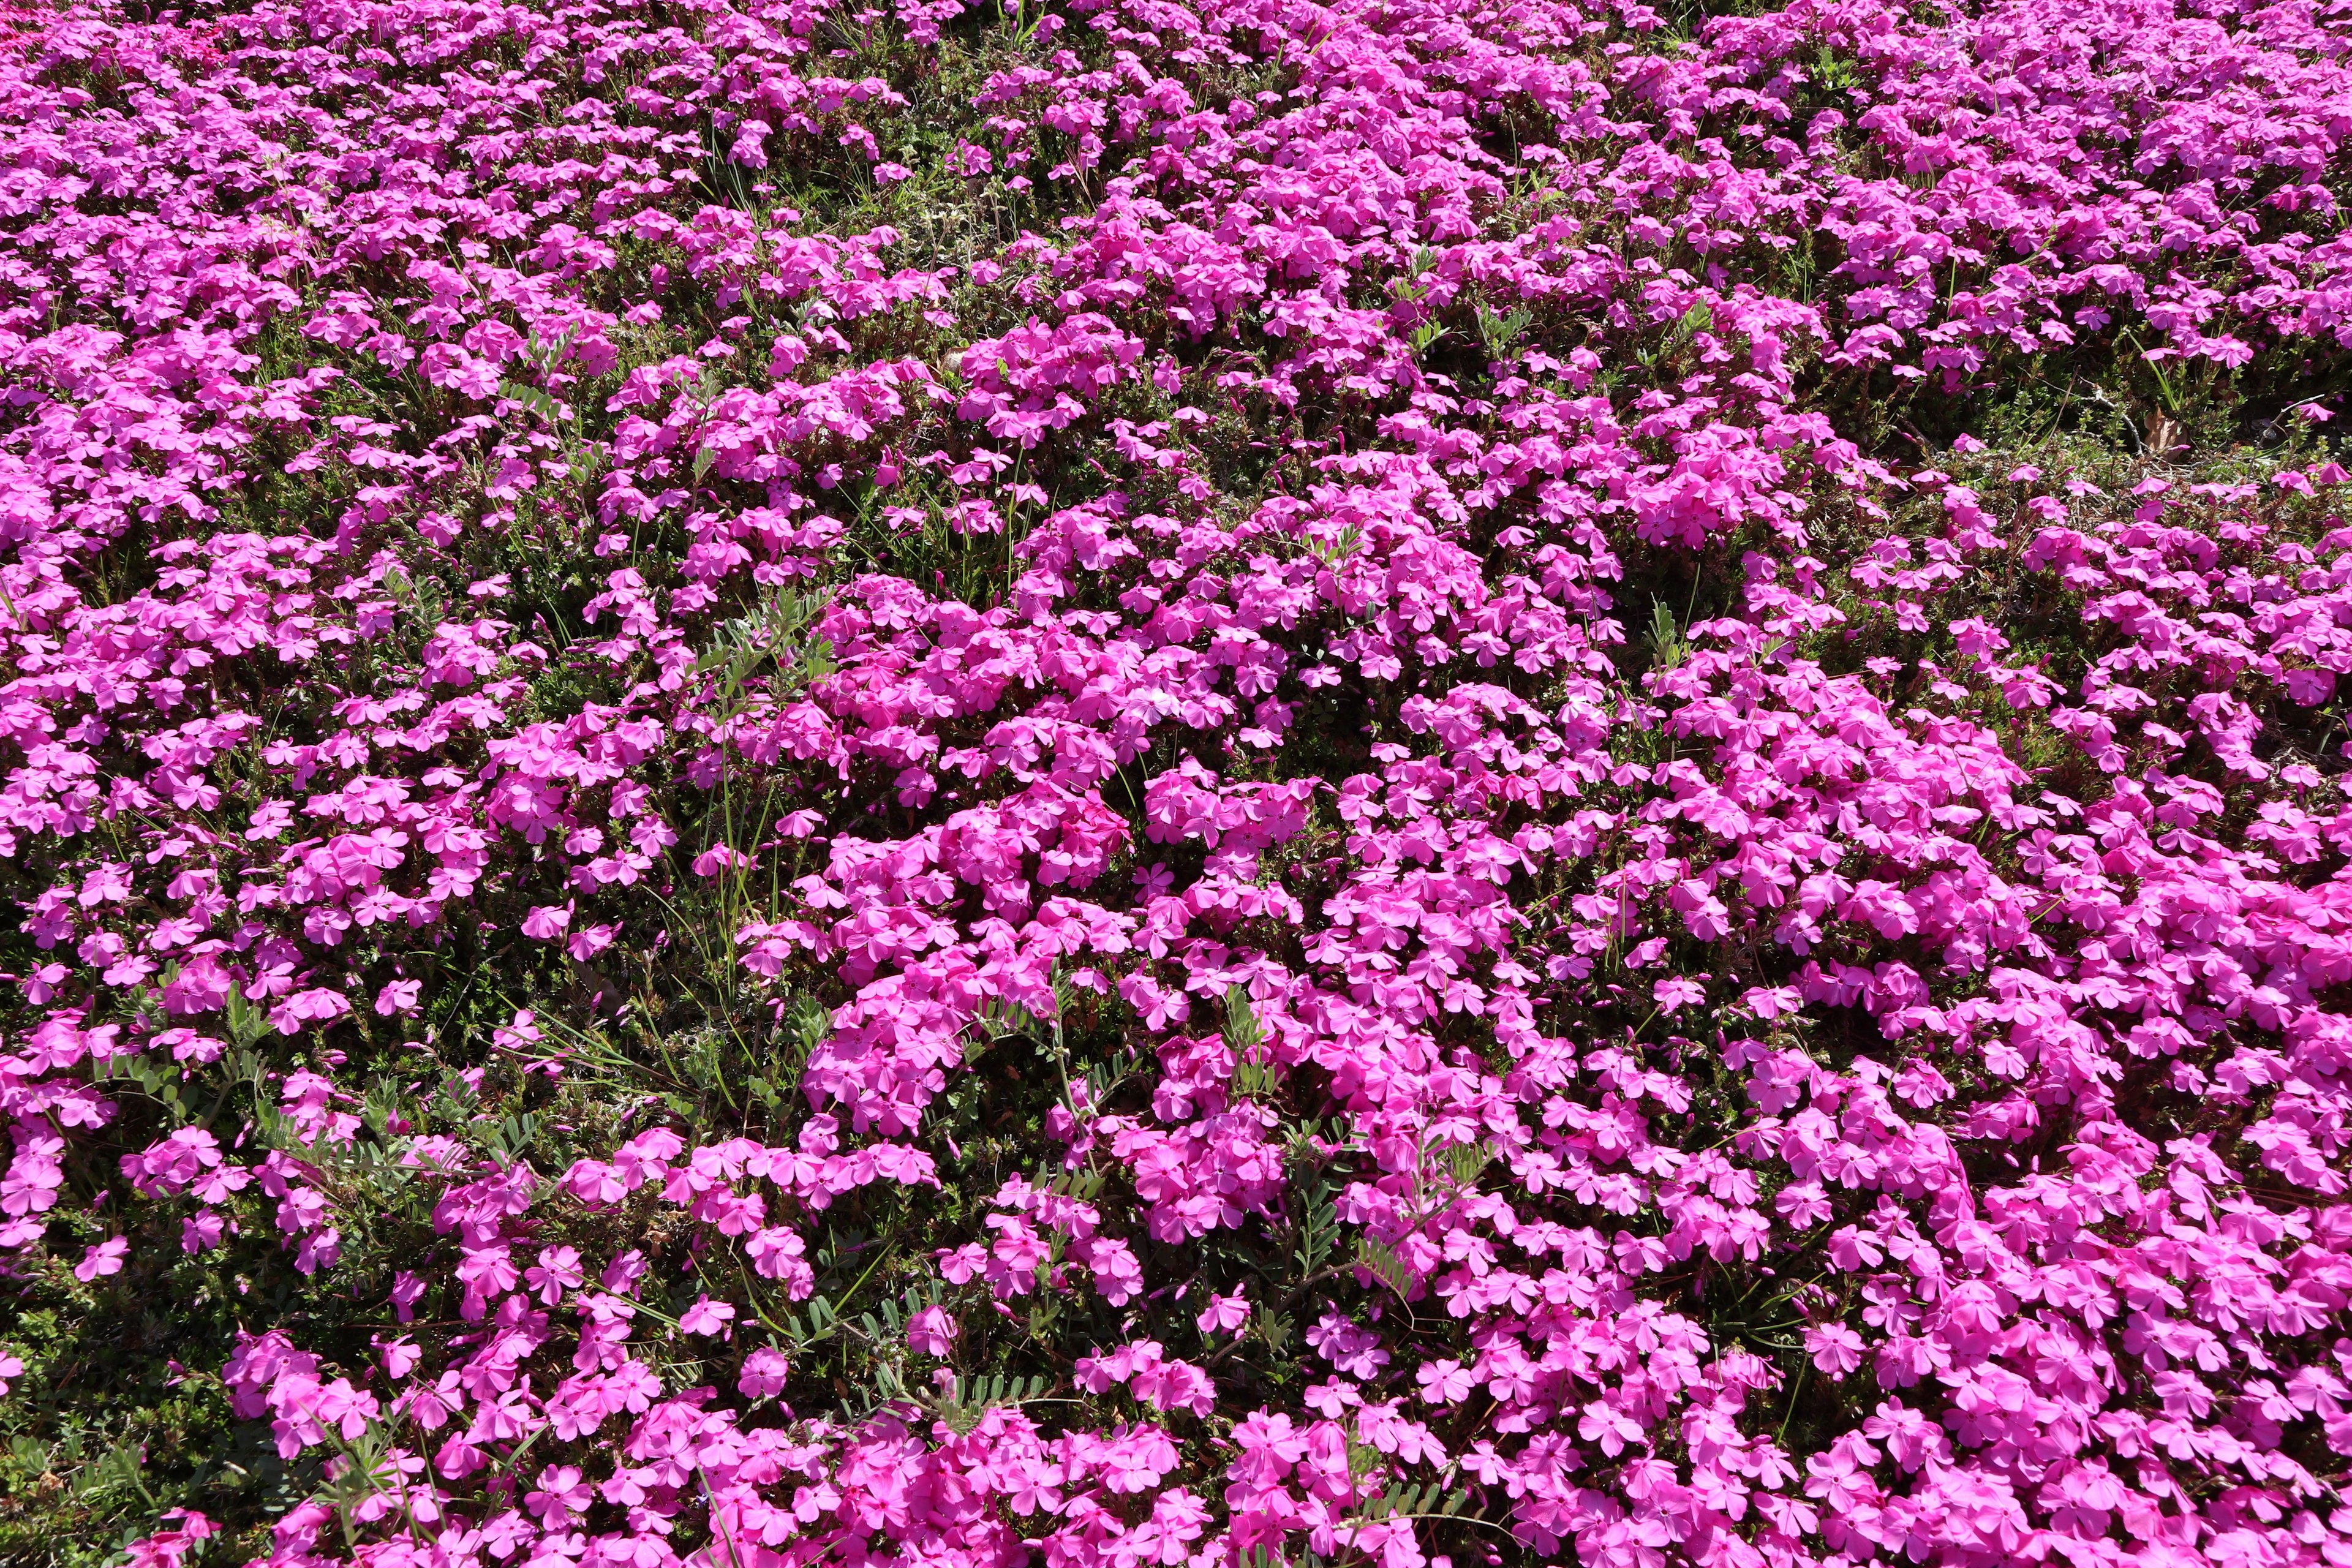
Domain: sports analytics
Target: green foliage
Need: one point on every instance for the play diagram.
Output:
(1501, 328)
(1385, 1266)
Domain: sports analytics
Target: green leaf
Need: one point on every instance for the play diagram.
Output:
(1242, 1030)
(1332, 551)
(1668, 645)
(533, 398)
(1385, 1266)
(1467, 1161)
(1502, 329)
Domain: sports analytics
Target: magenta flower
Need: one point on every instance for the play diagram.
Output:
(932, 1332)
(764, 1374)
(706, 1316)
(1224, 1314)
(561, 1495)
(105, 1258)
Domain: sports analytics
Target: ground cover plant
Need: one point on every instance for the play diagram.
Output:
(1118, 782)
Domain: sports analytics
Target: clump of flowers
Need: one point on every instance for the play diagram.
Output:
(1120, 783)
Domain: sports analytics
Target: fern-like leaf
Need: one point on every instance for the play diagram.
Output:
(1385, 1266)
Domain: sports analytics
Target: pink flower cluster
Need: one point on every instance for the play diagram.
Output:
(1855, 1071)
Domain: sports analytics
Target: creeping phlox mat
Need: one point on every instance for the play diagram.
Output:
(1118, 784)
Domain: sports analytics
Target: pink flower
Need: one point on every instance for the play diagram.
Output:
(547, 921)
(170, 1545)
(307, 1009)
(706, 1316)
(1225, 1314)
(1836, 1350)
(105, 1258)
(1445, 1382)
(561, 1495)
(588, 942)
(932, 1332)
(718, 859)
(399, 997)
(1676, 994)
(764, 1374)
(557, 1271)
